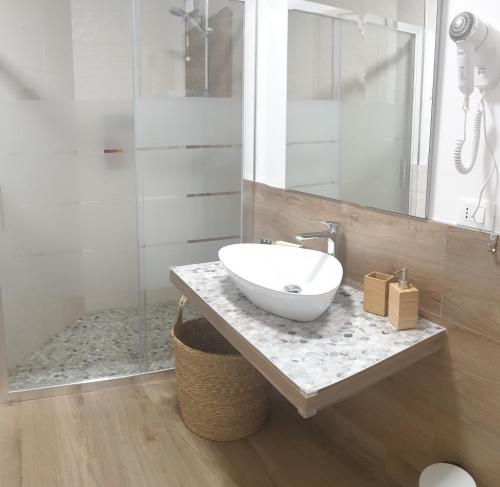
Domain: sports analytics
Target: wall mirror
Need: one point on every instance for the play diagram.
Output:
(360, 79)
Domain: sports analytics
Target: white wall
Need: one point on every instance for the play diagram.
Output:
(270, 150)
(447, 185)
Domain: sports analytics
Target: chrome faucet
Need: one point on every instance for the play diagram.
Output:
(329, 234)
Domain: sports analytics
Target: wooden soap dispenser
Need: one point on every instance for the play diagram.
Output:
(403, 302)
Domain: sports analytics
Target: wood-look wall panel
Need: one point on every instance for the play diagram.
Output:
(447, 407)
(470, 388)
(471, 283)
(385, 242)
(369, 240)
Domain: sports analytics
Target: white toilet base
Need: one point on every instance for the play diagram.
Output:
(445, 475)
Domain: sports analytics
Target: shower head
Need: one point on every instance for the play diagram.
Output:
(178, 12)
(190, 18)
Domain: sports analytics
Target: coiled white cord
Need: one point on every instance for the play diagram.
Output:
(476, 136)
(479, 119)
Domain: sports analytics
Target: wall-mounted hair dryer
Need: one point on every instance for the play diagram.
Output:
(476, 53)
(478, 65)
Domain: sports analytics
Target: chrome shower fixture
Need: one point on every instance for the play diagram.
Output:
(192, 19)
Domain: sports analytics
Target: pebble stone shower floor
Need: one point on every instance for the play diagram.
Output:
(101, 344)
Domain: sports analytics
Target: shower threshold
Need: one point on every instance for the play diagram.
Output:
(101, 344)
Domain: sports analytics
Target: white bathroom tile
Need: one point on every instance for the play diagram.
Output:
(109, 226)
(159, 259)
(33, 228)
(299, 87)
(57, 35)
(180, 172)
(71, 309)
(105, 177)
(25, 332)
(189, 121)
(102, 26)
(39, 178)
(311, 164)
(37, 125)
(181, 219)
(104, 125)
(323, 88)
(167, 294)
(103, 71)
(23, 84)
(59, 84)
(108, 5)
(110, 280)
(321, 116)
(20, 34)
(162, 49)
(41, 295)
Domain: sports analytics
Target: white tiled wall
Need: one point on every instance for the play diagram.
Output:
(179, 172)
(188, 121)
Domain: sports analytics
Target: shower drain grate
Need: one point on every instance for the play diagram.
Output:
(135, 356)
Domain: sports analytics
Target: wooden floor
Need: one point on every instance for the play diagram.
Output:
(133, 437)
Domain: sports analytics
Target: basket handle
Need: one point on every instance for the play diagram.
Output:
(180, 308)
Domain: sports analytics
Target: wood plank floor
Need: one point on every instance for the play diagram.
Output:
(133, 436)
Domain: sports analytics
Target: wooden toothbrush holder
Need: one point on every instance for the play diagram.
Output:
(376, 289)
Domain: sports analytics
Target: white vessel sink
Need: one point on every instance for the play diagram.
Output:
(295, 283)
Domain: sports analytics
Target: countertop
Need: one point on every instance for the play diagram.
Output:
(314, 356)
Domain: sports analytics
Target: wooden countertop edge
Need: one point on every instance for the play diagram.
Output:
(309, 405)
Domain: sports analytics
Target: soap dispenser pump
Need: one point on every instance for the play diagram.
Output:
(403, 302)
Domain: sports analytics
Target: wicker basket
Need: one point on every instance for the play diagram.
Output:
(221, 396)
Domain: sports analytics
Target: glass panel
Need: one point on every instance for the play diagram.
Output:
(68, 253)
(121, 146)
(350, 110)
(189, 146)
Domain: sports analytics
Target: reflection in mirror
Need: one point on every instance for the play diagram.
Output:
(357, 129)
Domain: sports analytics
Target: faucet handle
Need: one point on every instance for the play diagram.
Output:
(332, 226)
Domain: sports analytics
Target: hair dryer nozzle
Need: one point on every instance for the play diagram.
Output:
(462, 25)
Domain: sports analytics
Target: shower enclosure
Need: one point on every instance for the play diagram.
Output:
(120, 156)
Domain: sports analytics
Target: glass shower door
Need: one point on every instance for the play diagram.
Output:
(189, 120)
(68, 241)
(120, 156)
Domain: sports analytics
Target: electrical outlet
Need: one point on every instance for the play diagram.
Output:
(469, 215)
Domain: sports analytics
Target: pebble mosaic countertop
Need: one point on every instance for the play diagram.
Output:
(342, 342)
